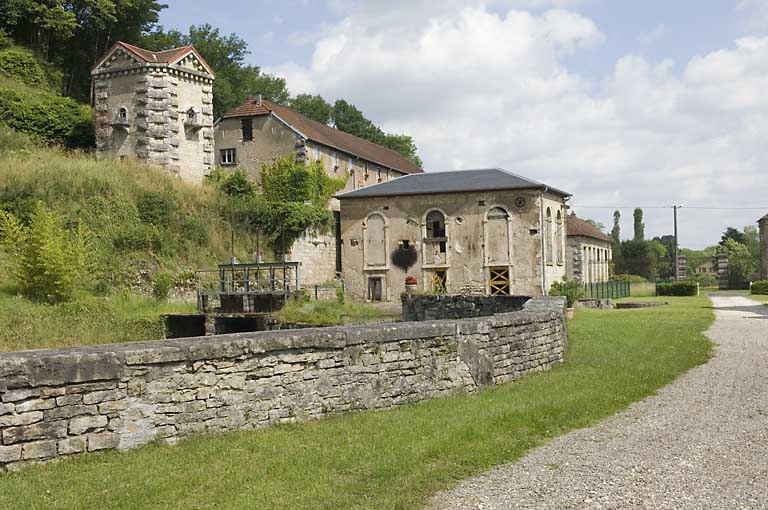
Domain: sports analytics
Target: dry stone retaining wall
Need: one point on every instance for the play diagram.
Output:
(61, 402)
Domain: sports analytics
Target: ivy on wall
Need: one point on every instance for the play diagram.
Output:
(292, 199)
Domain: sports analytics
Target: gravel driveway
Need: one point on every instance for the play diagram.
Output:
(701, 443)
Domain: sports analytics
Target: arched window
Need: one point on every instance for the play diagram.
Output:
(548, 237)
(497, 245)
(497, 213)
(122, 114)
(436, 230)
(191, 115)
(375, 240)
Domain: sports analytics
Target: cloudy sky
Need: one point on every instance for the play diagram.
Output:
(624, 104)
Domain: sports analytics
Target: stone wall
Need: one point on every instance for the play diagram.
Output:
(55, 403)
(421, 307)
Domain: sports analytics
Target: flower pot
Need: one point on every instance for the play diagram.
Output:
(569, 313)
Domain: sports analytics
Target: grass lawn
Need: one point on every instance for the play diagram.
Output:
(393, 459)
(759, 297)
(87, 321)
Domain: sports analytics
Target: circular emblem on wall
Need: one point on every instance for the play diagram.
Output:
(520, 201)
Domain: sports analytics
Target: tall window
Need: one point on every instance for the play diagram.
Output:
(559, 238)
(191, 115)
(122, 114)
(436, 229)
(548, 237)
(247, 128)
(227, 157)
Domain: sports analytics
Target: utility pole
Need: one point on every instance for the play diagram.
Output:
(677, 250)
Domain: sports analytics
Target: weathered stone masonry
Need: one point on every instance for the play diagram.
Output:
(55, 403)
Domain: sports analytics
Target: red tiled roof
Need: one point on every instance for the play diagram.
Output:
(578, 227)
(326, 135)
(170, 56)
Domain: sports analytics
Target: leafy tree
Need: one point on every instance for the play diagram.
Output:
(235, 81)
(639, 225)
(74, 33)
(599, 226)
(403, 144)
(314, 107)
(638, 259)
(732, 233)
(741, 264)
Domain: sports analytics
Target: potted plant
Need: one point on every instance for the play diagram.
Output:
(572, 290)
(410, 283)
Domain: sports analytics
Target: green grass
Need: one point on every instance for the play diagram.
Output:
(87, 321)
(328, 313)
(759, 297)
(393, 459)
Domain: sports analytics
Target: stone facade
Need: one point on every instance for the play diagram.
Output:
(55, 403)
(497, 232)
(590, 251)
(763, 226)
(158, 112)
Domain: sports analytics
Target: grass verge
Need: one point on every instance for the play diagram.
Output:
(89, 320)
(759, 297)
(393, 459)
(328, 313)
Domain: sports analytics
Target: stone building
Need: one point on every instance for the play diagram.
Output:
(763, 225)
(589, 251)
(480, 231)
(258, 131)
(156, 107)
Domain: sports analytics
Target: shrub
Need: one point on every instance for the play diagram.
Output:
(52, 118)
(759, 287)
(156, 208)
(571, 289)
(12, 141)
(51, 261)
(706, 279)
(631, 278)
(22, 66)
(686, 288)
(162, 285)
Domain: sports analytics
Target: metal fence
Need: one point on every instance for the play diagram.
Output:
(606, 290)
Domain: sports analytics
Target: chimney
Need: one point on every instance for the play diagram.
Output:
(258, 101)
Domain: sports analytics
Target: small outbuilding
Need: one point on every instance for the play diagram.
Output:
(590, 251)
(476, 231)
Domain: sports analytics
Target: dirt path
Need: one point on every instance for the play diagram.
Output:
(701, 443)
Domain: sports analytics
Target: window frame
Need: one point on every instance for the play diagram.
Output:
(225, 160)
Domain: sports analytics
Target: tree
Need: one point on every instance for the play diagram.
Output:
(741, 264)
(615, 234)
(74, 33)
(639, 225)
(732, 233)
(314, 107)
(235, 81)
(599, 226)
(638, 259)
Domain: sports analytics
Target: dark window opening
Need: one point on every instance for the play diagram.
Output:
(122, 114)
(405, 243)
(375, 289)
(440, 282)
(227, 157)
(436, 229)
(247, 128)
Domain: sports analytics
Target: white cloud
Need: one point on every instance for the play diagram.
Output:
(477, 87)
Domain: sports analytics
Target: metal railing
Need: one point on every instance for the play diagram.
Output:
(606, 290)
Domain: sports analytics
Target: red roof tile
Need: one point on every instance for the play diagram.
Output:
(170, 56)
(326, 135)
(578, 227)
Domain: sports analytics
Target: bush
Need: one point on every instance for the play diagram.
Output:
(706, 279)
(12, 141)
(631, 278)
(51, 261)
(686, 288)
(571, 289)
(51, 118)
(162, 285)
(156, 208)
(22, 66)
(759, 287)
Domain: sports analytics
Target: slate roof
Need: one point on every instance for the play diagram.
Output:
(763, 218)
(457, 181)
(326, 135)
(169, 57)
(578, 227)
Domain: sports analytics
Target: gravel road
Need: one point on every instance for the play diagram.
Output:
(701, 443)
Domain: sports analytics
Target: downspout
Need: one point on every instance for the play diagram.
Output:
(542, 244)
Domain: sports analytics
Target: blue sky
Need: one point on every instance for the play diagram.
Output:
(643, 103)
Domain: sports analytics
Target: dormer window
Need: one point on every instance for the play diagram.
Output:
(121, 119)
(190, 119)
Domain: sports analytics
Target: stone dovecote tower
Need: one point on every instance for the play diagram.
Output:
(156, 107)
(763, 225)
